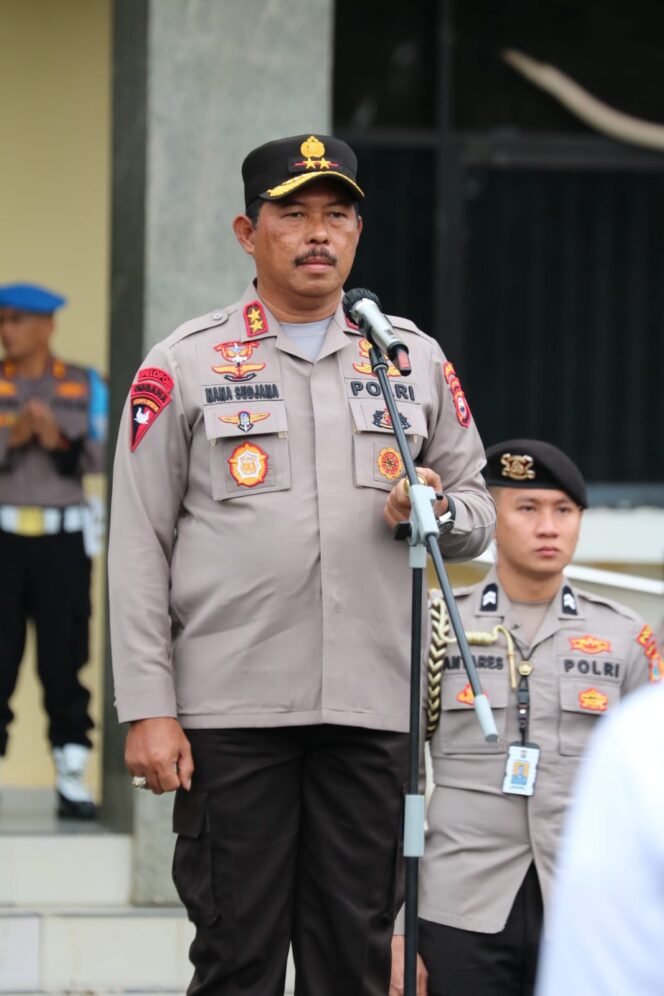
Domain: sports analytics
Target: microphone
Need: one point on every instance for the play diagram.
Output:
(363, 307)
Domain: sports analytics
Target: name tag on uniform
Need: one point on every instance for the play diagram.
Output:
(521, 769)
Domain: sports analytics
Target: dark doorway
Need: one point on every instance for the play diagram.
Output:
(529, 245)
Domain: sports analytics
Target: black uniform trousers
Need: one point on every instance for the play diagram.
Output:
(291, 835)
(466, 963)
(47, 579)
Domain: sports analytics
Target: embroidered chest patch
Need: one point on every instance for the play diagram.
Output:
(364, 366)
(592, 700)
(465, 696)
(590, 644)
(238, 365)
(248, 465)
(389, 463)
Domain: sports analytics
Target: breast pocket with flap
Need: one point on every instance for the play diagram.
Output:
(377, 460)
(249, 450)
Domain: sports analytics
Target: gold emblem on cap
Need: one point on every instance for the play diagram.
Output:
(517, 468)
(313, 148)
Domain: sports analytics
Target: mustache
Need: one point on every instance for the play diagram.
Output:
(316, 253)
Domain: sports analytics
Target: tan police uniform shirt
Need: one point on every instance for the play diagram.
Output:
(31, 475)
(588, 653)
(253, 580)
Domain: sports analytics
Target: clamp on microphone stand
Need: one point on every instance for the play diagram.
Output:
(422, 531)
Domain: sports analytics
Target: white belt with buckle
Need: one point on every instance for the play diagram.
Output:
(36, 520)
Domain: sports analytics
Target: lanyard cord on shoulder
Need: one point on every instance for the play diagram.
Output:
(525, 669)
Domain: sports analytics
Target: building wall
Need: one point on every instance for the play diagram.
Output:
(55, 77)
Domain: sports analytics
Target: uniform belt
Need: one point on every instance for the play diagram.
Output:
(36, 520)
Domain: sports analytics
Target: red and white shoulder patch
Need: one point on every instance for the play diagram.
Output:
(463, 414)
(150, 394)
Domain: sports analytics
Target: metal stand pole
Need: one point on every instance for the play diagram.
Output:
(422, 533)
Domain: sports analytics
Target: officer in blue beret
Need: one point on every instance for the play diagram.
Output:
(52, 431)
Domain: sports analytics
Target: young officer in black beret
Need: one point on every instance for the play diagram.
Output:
(552, 660)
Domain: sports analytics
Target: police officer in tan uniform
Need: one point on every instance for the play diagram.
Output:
(259, 604)
(552, 660)
(52, 431)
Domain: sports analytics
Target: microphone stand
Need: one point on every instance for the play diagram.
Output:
(422, 532)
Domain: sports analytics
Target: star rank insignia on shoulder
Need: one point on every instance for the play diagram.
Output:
(254, 319)
(244, 420)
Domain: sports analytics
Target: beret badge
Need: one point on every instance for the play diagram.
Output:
(517, 468)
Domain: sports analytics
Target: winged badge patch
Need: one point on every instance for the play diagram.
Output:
(238, 365)
(244, 420)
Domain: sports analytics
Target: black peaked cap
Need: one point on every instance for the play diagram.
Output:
(276, 169)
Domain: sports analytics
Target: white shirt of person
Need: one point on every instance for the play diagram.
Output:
(605, 932)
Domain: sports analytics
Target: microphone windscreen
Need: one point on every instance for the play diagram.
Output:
(351, 298)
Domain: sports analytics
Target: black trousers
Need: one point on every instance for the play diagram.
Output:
(466, 963)
(291, 835)
(47, 579)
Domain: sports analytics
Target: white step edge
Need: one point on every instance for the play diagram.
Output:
(61, 870)
(94, 950)
(108, 951)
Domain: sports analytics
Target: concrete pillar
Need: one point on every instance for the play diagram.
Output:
(197, 84)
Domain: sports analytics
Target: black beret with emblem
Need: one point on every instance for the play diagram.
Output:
(276, 169)
(532, 463)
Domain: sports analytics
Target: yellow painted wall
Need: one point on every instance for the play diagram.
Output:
(55, 117)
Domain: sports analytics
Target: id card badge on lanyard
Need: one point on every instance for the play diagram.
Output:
(522, 757)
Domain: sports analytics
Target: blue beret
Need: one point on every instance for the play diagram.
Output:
(30, 297)
(533, 463)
